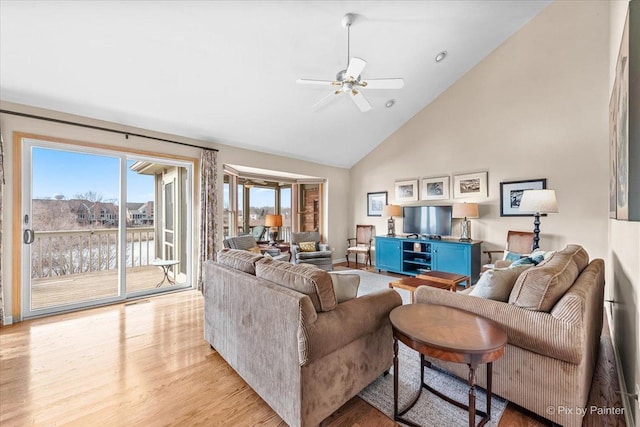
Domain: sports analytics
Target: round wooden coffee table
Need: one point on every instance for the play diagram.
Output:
(448, 334)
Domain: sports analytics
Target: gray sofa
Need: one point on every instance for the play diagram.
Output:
(282, 328)
(553, 320)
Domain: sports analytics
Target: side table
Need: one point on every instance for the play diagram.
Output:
(451, 279)
(449, 334)
(166, 264)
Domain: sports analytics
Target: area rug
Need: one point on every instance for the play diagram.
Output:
(430, 410)
(371, 282)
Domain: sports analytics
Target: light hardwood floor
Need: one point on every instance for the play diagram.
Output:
(147, 363)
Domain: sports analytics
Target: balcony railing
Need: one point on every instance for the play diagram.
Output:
(58, 253)
(283, 234)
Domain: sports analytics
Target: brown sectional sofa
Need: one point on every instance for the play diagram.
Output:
(283, 330)
(553, 320)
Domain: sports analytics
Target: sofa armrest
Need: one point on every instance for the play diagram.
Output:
(323, 247)
(349, 321)
(557, 335)
(294, 249)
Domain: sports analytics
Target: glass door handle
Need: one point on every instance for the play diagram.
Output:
(28, 236)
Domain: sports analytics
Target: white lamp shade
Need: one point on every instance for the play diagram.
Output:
(392, 210)
(465, 210)
(542, 201)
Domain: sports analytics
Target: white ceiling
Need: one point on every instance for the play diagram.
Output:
(225, 71)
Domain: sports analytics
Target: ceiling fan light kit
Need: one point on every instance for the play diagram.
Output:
(349, 81)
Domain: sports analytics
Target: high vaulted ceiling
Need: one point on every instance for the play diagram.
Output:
(225, 71)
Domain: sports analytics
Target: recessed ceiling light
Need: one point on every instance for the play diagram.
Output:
(441, 56)
(390, 103)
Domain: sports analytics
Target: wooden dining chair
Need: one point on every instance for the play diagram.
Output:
(361, 244)
(519, 243)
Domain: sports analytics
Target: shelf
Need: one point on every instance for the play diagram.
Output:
(414, 252)
(417, 262)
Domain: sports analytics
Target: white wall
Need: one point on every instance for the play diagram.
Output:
(537, 107)
(336, 188)
(624, 252)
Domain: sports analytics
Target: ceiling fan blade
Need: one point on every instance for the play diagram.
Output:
(360, 101)
(315, 82)
(383, 84)
(356, 65)
(324, 101)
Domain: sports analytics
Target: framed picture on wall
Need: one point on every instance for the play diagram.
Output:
(375, 202)
(470, 185)
(619, 133)
(511, 195)
(435, 188)
(406, 191)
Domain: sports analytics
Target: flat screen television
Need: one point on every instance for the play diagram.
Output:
(427, 220)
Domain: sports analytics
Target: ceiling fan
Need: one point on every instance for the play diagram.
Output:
(349, 82)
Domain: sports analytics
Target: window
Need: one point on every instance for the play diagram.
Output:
(300, 204)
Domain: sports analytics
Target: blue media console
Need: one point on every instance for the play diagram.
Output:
(412, 256)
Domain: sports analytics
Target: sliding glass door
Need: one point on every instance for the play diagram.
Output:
(91, 233)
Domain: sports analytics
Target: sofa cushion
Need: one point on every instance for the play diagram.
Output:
(239, 259)
(304, 278)
(540, 287)
(497, 284)
(315, 254)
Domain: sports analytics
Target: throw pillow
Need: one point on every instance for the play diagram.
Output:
(528, 260)
(497, 284)
(511, 256)
(540, 287)
(255, 250)
(345, 286)
(308, 246)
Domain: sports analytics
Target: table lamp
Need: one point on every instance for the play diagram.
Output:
(465, 211)
(540, 202)
(391, 211)
(273, 222)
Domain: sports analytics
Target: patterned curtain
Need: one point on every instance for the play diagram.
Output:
(209, 209)
(1, 196)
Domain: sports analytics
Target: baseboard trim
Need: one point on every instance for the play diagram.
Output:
(8, 320)
(626, 400)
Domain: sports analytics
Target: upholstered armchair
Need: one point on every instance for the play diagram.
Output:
(306, 248)
(248, 243)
